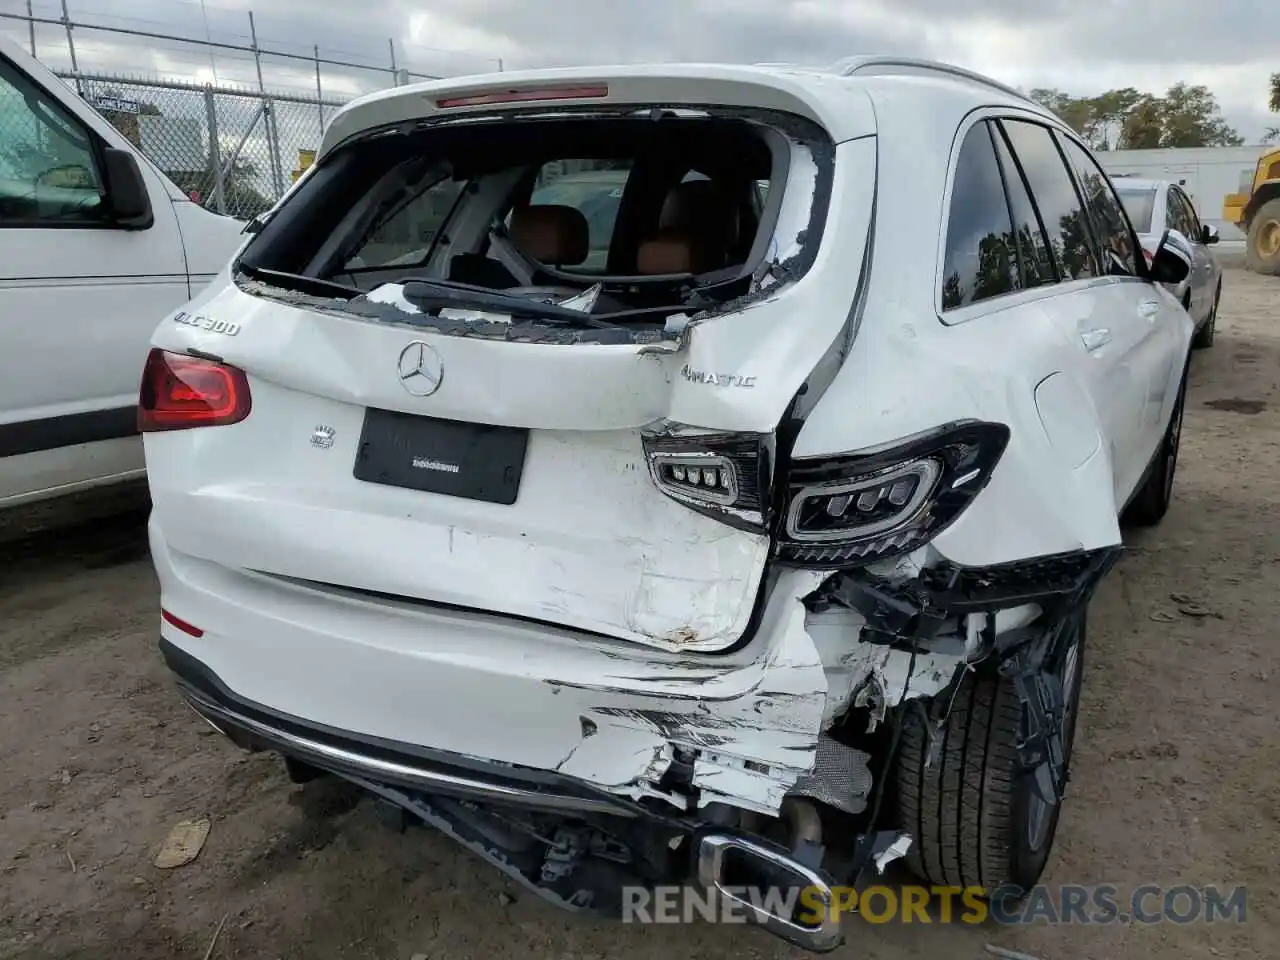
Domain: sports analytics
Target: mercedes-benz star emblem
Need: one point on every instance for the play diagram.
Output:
(421, 369)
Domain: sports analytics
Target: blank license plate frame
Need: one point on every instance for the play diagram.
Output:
(474, 461)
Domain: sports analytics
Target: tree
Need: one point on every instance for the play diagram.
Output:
(1076, 112)
(1273, 104)
(1191, 119)
(1185, 116)
(1144, 125)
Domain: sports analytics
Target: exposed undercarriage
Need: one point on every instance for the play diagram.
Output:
(700, 818)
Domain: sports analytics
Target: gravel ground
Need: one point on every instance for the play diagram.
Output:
(1176, 776)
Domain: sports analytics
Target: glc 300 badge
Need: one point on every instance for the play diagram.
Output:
(224, 327)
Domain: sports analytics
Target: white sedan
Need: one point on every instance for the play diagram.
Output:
(1158, 205)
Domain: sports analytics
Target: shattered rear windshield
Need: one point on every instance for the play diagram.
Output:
(633, 212)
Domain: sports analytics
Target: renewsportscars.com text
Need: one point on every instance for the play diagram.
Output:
(1066, 904)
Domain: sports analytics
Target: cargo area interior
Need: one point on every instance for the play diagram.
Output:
(657, 208)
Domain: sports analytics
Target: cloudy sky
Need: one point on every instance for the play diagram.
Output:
(1083, 47)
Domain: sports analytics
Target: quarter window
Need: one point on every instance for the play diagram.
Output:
(48, 171)
(980, 261)
(402, 235)
(1109, 220)
(1055, 197)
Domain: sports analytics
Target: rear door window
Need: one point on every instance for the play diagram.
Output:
(1055, 197)
(1035, 258)
(1105, 210)
(1173, 214)
(979, 260)
(1189, 217)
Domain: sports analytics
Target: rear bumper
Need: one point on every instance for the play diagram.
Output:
(430, 783)
(255, 727)
(412, 694)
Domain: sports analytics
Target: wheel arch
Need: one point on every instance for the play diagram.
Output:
(1269, 191)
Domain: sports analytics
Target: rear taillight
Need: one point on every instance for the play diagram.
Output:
(180, 391)
(854, 509)
(723, 475)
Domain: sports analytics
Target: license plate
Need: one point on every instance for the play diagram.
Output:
(470, 460)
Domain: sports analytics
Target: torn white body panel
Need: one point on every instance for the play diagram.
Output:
(607, 713)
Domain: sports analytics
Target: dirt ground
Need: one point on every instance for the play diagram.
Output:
(1176, 777)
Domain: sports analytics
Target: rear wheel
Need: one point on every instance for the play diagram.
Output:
(1204, 336)
(976, 816)
(1262, 249)
(1152, 501)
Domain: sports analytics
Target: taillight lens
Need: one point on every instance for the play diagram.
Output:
(725, 476)
(854, 509)
(179, 392)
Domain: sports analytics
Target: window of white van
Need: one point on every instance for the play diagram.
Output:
(48, 170)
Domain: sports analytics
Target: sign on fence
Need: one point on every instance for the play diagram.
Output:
(117, 104)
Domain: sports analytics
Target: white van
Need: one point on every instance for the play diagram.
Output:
(96, 245)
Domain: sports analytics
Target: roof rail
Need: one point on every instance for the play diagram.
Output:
(850, 66)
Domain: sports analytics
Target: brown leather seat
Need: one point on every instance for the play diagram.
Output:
(695, 231)
(663, 255)
(551, 233)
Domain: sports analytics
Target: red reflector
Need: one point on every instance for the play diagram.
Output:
(180, 391)
(524, 96)
(181, 624)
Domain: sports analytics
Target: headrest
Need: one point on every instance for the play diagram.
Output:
(551, 234)
(665, 255)
(700, 205)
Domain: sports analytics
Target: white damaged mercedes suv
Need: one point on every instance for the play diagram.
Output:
(727, 514)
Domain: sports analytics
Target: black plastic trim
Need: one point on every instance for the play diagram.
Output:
(50, 433)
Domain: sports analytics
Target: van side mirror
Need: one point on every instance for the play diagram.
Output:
(1208, 233)
(1171, 263)
(128, 201)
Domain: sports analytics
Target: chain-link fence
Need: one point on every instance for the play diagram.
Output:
(234, 151)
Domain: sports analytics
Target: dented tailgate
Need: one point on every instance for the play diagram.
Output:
(586, 539)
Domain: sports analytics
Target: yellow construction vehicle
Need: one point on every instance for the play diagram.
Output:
(305, 159)
(1256, 211)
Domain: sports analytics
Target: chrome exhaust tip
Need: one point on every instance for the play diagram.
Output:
(713, 854)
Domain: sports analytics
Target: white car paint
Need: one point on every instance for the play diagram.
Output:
(77, 306)
(591, 628)
(1172, 209)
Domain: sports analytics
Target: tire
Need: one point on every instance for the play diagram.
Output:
(975, 816)
(1151, 502)
(1204, 336)
(1262, 249)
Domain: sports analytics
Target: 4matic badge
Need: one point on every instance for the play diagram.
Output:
(716, 379)
(224, 327)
